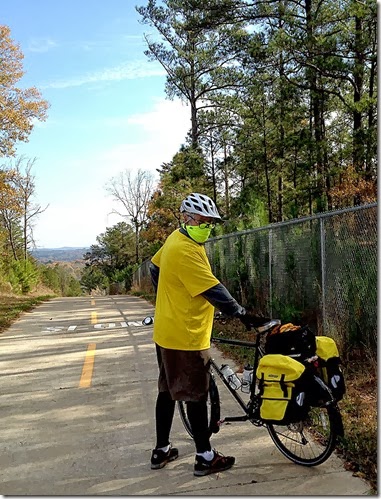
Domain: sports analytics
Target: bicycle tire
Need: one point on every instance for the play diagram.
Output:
(312, 441)
(213, 410)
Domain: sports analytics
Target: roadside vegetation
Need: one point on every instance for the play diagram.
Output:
(12, 306)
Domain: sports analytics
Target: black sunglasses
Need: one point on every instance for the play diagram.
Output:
(203, 225)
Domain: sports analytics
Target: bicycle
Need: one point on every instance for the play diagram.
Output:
(308, 442)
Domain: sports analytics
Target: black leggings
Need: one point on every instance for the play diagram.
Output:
(165, 408)
(198, 418)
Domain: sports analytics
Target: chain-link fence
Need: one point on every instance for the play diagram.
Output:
(320, 270)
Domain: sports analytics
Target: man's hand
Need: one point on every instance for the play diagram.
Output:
(254, 321)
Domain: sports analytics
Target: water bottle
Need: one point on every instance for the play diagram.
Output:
(247, 378)
(231, 376)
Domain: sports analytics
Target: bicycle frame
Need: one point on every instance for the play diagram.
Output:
(249, 407)
(246, 407)
(308, 441)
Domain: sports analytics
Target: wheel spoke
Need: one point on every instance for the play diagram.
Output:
(310, 442)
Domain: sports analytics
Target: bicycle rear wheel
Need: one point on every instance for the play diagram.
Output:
(213, 410)
(312, 441)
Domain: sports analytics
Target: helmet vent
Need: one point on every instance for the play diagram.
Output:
(200, 204)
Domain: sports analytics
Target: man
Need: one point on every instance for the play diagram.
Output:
(186, 294)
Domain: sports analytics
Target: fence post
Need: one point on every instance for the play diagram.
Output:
(270, 271)
(322, 263)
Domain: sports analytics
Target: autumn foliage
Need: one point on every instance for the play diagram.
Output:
(19, 107)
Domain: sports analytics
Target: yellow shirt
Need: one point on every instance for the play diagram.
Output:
(183, 318)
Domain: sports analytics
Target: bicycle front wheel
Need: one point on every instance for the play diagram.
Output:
(213, 405)
(312, 441)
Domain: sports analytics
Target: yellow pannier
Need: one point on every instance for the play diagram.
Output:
(282, 388)
(329, 365)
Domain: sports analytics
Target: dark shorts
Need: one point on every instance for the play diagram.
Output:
(185, 374)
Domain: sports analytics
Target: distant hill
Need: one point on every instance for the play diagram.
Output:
(65, 254)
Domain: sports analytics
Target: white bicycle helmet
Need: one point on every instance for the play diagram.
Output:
(201, 204)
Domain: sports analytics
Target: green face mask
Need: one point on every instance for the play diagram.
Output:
(198, 234)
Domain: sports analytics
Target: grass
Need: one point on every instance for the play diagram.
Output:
(12, 306)
(359, 411)
(358, 407)
(146, 295)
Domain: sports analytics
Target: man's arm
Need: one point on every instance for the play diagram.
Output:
(154, 271)
(220, 298)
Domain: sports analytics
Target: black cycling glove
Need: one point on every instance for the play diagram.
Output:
(247, 321)
(251, 321)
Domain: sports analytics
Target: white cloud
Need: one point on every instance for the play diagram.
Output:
(41, 44)
(81, 210)
(74, 224)
(166, 116)
(125, 71)
(164, 130)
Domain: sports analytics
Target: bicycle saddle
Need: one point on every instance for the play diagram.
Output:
(263, 324)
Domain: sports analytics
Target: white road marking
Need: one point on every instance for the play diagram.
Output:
(109, 325)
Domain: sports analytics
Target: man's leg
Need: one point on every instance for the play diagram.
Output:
(198, 418)
(207, 460)
(164, 411)
(165, 408)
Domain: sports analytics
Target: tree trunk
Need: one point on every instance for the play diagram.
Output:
(193, 105)
(213, 166)
(137, 256)
(226, 183)
(358, 136)
(315, 98)
(370, 145)
(280, 198)
(266, 165)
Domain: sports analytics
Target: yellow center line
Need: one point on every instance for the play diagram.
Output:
(88, 366)
(94, 318)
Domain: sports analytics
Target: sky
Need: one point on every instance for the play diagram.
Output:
(108, 110)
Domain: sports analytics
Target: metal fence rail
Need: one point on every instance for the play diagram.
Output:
(320, 269)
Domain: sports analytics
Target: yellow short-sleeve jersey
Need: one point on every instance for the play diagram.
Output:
(183, 318)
